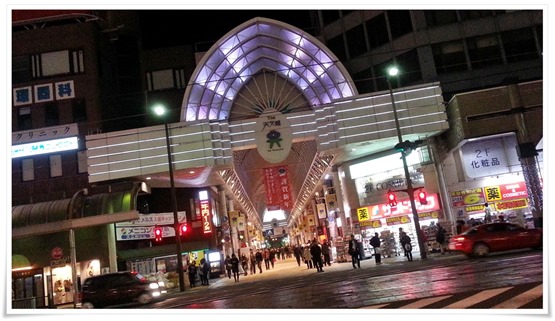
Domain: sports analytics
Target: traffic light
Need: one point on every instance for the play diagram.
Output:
(392, 199)
(182, 229)
(157, 233)
(422, 197)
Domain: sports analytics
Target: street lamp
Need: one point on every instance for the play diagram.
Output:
(393, 71)
(160, 111)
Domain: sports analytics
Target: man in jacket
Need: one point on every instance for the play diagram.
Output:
(375, 243)
(354, 252)
(316, 252)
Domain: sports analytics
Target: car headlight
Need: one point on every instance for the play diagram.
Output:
(154, 285)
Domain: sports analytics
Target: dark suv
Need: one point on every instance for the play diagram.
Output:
(117, 289)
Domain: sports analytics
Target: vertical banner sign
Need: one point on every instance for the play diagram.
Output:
(233, 218)
(321, 209)
(278, 188)
(273, 137)
(205, 213)
(241, 225)
(331, 202)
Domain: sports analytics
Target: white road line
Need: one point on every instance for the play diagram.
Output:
(521, 299)
(424, 302)
(476, 298)
(375, 306)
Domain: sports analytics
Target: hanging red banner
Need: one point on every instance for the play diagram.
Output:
(278, 188)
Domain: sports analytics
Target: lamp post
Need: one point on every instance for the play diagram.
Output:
(393, 71)
(160, 110)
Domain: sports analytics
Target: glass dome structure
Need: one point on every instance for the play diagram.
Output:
(257, 45)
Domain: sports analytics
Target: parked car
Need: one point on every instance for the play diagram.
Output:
(482, 239)
(119, 288)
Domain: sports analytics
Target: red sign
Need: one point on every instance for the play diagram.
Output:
(278, 188)
(57, 253)
(506, 192)
(403, 208)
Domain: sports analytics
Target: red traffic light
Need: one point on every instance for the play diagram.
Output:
(157, 234)
(422, 197)
(392, 199)
(182, 229)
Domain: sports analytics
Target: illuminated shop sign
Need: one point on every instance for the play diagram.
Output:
(506, 192)
(45, 147)
(467, 197)
(403, 207)
(511, 205)
(205, 213)
(397, 220)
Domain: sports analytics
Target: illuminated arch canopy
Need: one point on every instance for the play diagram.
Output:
(262, 44)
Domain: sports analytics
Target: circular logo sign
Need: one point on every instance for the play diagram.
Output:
(57, 253)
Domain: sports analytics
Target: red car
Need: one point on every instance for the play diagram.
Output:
(482, 239)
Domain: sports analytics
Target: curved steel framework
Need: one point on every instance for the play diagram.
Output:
(262, 44)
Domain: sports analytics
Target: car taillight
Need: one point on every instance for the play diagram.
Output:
(457, 239)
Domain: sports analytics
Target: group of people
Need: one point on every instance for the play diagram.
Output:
(314, 254)
(203, 270)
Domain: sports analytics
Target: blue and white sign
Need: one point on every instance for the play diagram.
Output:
(489, 157)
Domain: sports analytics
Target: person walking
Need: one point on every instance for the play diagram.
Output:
(307, 257)
(235, 267)
(245, 263)
(354, 252)
(252, 258)
(273, 256)
(407, 247)
(298, 253)
(375, 243)
(227, 264)
(316, 252)
(259, 259)
(326, 250)
(267, 258)
(440, 238)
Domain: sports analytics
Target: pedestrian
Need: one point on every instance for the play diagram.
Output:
(273, 256)
(192, 272)
(354, 252)
(316, 252)
(375, 242)
(235, 267)
(259, 259)
(227, 264)
(244, 263)
(440, 238)
(307, 256)
(407, 247)
(326, 249)
(266, 258)
(252, 258)
(298, 253)
(204, 271)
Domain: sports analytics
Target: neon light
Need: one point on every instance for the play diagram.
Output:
(45, 147)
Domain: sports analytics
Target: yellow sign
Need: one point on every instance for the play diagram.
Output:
(511, 205)
(493, 193)
(372, 224)
(363, 214)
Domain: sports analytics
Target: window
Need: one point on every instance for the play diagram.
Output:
(380, 70)
(166, 79)
(519, 45)
(356, 41)
(337, 46)
(474, 14)
(377, 31)
(440, 17)
(55, 165)
(329, 16)
(449, 57)
(79, 111)
(24, 118)
(82, 161)
(410, 65)
(484, 51)
(400, 23)
(364, 81)
(51, 117)
(21, 69)
(28, 169)
(57, 63)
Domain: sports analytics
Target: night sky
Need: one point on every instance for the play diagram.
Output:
(195, 26)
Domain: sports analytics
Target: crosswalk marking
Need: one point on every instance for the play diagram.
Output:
(521, 299)
(476, 298)
(376, 306)
(424, 302)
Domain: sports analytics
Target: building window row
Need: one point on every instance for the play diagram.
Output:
(29, 170)
(48, 114)
(166, 79)
(48, 64)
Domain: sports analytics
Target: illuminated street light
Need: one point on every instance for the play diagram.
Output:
(393, 71)
(159, 110)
